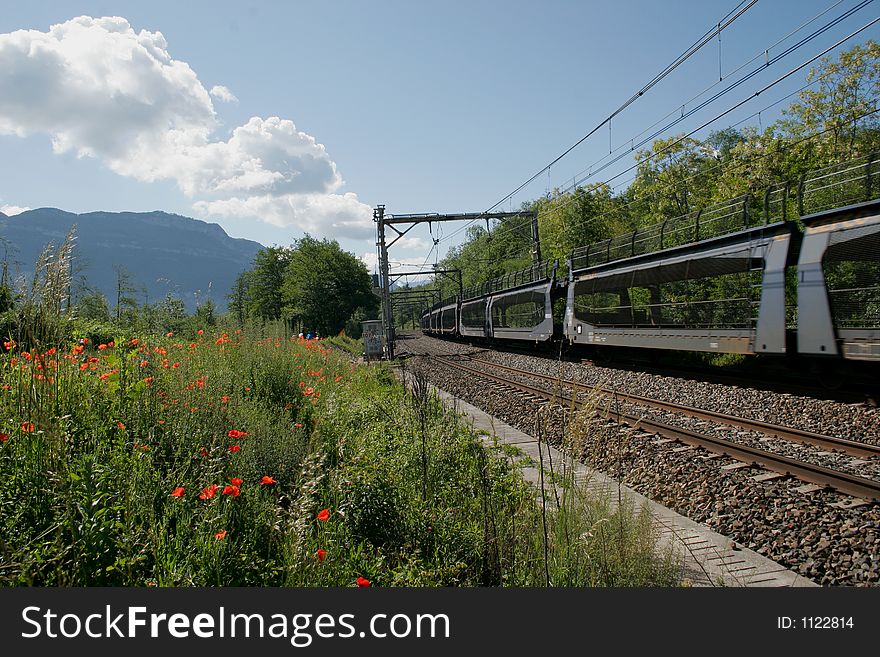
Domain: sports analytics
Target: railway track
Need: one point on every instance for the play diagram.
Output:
(816, 474)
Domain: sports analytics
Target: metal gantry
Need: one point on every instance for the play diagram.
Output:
(410, 221)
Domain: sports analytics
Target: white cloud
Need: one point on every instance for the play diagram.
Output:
(10, 210)
(102, 90)
(223, 93)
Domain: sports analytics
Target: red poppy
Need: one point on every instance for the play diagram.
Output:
(363, 582)
(208, 492)
(144, 363)
(235, 433)
(203, 452)
(322, 554)
(324, 514)
(177, 492)
(235, 481)
(221, 535)
(231, 490)
(121, 425)
(102, 347)
(234, 448)
(267, 481)
(298, 425)
(27, 427)
(201, 332)
(170, 334)
(4, 437)
(308, 391)
(133, 342)
(84, 366)
(225, 399)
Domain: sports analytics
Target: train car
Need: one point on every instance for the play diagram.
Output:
(725, 294)
(524, 313)
(737, 277)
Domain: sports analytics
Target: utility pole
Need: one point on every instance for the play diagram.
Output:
(412, 220)
(387, 312)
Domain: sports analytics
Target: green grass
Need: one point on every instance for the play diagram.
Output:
(411, 498)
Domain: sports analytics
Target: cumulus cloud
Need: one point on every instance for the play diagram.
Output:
(223, 93)
(10, 210)
(102, 90)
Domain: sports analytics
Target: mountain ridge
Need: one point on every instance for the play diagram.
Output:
(164, 253)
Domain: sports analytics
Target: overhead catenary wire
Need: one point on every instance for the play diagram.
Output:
(764, 52)
(769, 62)
(734, 107)
(707, 37)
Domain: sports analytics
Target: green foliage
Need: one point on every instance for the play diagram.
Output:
(324, 286)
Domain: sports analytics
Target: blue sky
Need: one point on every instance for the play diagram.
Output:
(423, 107)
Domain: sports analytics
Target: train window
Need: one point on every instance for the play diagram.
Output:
(521, 310)
(722, 291)
(473, 315)
(852, 277)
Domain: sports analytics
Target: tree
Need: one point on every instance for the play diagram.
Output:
(324, 285)
(124, 292)
(266, 279)
(94, 306)
(239, 297)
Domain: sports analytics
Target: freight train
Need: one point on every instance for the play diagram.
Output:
(793, 271)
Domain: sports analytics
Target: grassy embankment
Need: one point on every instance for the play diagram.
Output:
(236, 460)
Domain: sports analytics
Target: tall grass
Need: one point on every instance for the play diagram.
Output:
(325, 472)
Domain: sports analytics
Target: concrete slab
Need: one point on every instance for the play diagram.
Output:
(709, 558)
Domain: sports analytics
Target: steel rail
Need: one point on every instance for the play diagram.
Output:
(809, 472)
(852, 447)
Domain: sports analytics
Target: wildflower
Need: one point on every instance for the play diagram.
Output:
(308, 391)
(121, 425)
(51, 351)
(170, 334)
(234, 448)
(208, 492)
(231, 490)
(133, 342)
(177, 492)
(225, 399)
(84, 366)
(78, 349)
(220, 535)
(176, 365)
(324, 514)
(148, 380)
(363, 582)
(203, 452)
(102, 346)
(267, 481)
(235, 481)
(298, 425)
(84, 341)
(144, 363)
(338, 378)
(10, 345)
(322, 554)
(201, 332)
(27, 427)
(4, 437)
(235, 433)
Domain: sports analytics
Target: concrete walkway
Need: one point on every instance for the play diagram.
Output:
(710, 559)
